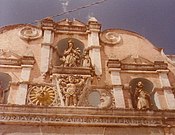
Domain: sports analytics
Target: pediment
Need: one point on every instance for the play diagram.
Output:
(73, 22)
(8, 54)
(135, 60)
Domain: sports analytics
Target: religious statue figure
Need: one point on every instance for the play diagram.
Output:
(1, 93)
(70, 88)
(143, 101)
(86, 60)
(71, 57)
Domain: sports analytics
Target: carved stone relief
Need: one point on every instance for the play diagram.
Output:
(99, 98)
(30, 33)
(142, 98)
(142, 94)
(42, 95)
(72, 57)
(110, 37)
(71, 87)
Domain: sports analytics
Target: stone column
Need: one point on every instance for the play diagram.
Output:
(23, 86)
(165, 85)
(117, 88)
(93, 45)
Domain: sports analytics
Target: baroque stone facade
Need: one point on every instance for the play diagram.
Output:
(72, 75)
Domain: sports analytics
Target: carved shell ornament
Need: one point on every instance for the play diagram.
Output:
(30, 33)
(110, 37)
(42, 95)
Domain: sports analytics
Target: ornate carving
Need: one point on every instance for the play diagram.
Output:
(42, 95)
(30, 33)
(86, 60)
(111, 120)
(110, 37)
(106, 100)
(71, 88)
(71, 57)
(143, 101)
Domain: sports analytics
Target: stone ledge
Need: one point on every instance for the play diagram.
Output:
(72, 70)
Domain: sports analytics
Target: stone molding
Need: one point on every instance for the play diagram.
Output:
(29, 115)
(72, 70)
(11, 59)
(156, 66)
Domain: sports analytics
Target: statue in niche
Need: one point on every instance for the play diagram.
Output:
(86, 60)
(143, 101)
(1, 93)
(71, 86)
(71, 56)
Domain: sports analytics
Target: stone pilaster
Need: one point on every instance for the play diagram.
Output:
(165, 84)
(47, 26)
(93, 45)
(117, 88)
(157, 98)
(23, 86)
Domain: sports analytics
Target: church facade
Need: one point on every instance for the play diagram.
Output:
(71, 78)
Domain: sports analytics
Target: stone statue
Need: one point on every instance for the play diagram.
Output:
(86, 60)
(71, 57)
(69, 86)
(142, 98)
(1, 93)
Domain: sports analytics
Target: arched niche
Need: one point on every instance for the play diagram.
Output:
(148, 86)
(63, 45)
(5, 80)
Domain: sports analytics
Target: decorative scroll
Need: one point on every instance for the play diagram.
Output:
(110, 37)
(30, 33)
(42, 95)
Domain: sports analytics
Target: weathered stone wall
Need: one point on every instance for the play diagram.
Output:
(76, 130)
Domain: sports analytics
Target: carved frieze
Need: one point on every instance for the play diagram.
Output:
(76, 120)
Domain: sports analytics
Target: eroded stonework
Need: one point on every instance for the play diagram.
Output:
(72, 75)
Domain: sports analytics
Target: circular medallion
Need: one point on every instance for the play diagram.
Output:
(30, 33)
(42, 95)
(110, 37)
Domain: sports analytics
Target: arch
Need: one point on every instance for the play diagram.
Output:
(63, 45)
(148, 86)
(5, 80)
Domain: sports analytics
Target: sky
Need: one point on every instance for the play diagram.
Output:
(153, 19)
